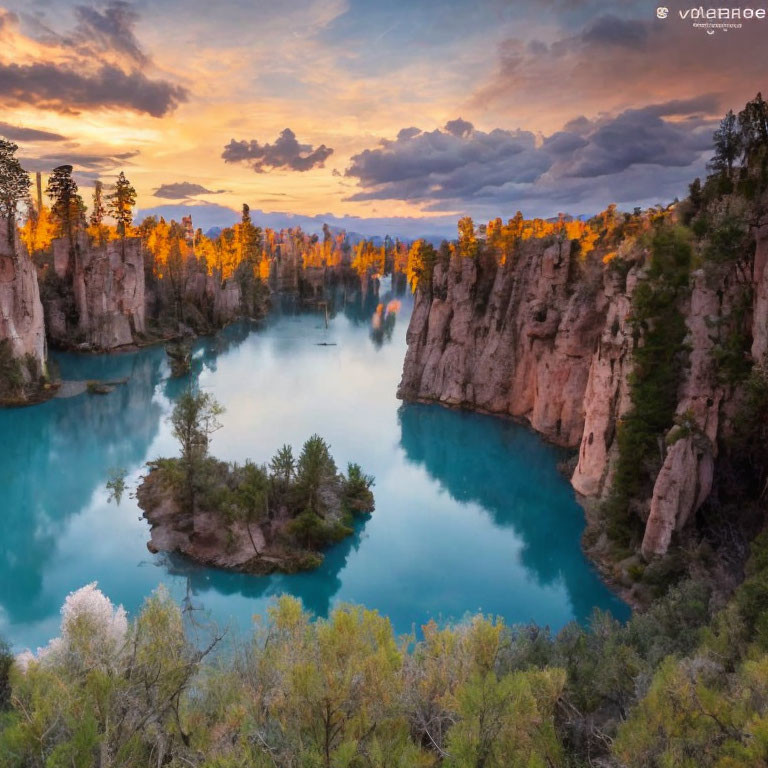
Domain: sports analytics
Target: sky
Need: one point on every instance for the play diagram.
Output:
(403, 111)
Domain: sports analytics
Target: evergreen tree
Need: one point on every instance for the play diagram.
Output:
(728, 144)
(315, 468)
(250, 237)
(252, 498)
(98, 211)
(14, 187)
(121, 203)
(283, 468)
(193, 421)
(753, 120)
(67, 206)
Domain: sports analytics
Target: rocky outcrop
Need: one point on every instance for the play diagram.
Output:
(220, 301)
(100, 302)
(517, 342)
(685, 478)
(607, 396)
(548, 338)
(760, 280)
(22, 330)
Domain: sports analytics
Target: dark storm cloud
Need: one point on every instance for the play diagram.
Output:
(110, 29)
(183, 189)
(454, 162)
(460, 165)
(98, 64)
(18, 133)
(285, 154)
(81, 161)
(636, 137)
(63, 89)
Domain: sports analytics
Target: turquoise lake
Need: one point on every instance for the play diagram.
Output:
(471, 512)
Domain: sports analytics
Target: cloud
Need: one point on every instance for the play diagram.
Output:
(603, 61)
(183, 189)
(110, 29)
(610, 30)
(460, 167)
(285, 154)
(79, 160)
(459, 127)
(455, 162)
(636, 137)
(63, 89)
(99, 64)
(18, 133)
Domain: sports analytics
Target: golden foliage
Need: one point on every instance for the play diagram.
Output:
(38, 231)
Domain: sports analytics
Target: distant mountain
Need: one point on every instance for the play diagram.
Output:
(210, 216)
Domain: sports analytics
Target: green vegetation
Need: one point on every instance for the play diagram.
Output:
(120, 207)
(67, 207)
(683, 684)
(14, 187)
(287, 510)
(6, 662)
(116, 484)
(658, 358)
(712, 230)
(11, 373)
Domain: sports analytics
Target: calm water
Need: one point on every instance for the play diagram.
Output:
(471, 513)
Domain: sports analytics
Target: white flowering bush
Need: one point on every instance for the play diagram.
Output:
(93, 633)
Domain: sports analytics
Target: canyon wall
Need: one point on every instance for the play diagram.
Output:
(100, 303)
(519, 342)
(548, 338)
(21, 312)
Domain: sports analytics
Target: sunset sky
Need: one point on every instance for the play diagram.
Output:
(374, 109)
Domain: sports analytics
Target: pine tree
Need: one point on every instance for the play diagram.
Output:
(728, 144)
(14, 187)
(120, 206)
(753, 120)
(250, 237)
(98, 211)
(67, 206)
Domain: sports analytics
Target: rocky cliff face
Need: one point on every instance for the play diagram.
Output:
(760, 281)
(518, 342)
(21, 313)
(548, 338)
(101, 302)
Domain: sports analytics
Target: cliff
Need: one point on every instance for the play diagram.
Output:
(518, 342)
(568, 335)
(22, 331)
(95, 296)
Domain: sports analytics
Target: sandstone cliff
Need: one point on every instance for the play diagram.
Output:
(99, 301)
(549, 336)
(518, 342)
(22, 331)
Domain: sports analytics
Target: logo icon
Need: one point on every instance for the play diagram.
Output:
(662, 12)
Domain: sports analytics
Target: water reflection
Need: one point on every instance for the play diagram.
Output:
(513, 476)
(470, 511)
(58, 454)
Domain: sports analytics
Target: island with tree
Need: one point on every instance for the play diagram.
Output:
(248, 517)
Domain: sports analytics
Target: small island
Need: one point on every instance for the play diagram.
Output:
(251, 518)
